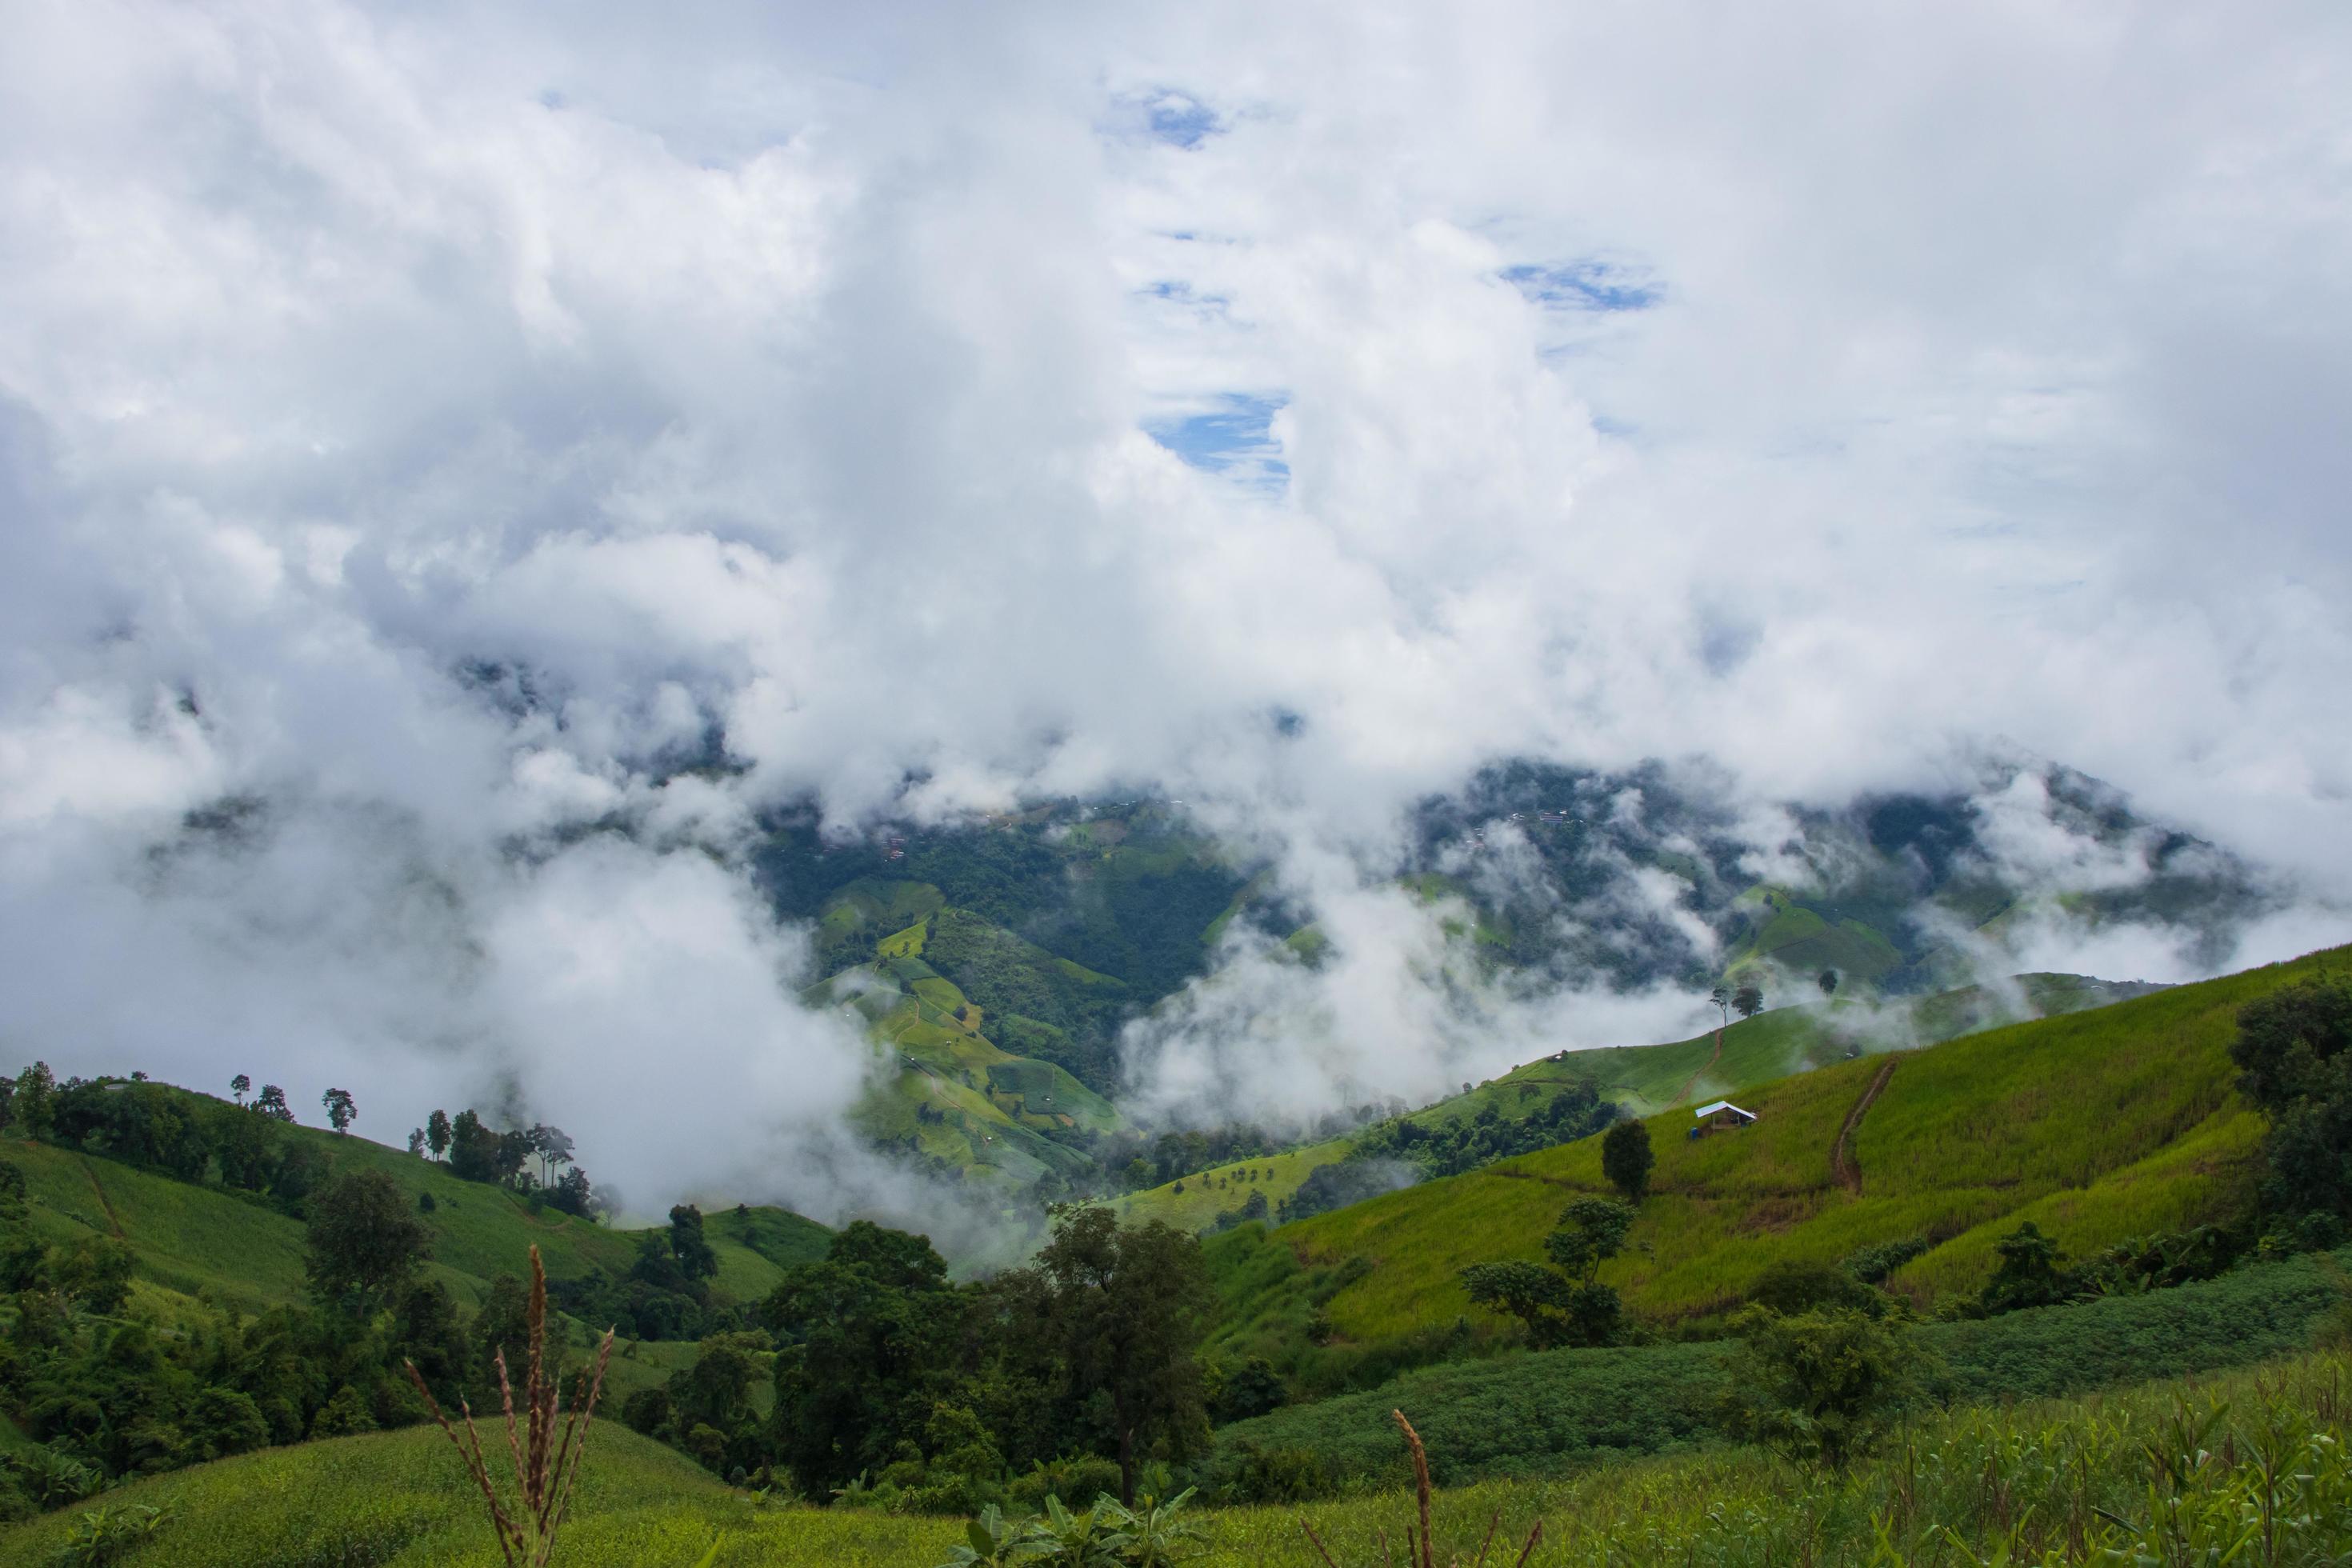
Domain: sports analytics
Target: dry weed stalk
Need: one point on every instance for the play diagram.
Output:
(545, 1467)
(1427, 1556)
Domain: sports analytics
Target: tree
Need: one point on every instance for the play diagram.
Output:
(2287, 1040)
(272, 1102)
(870, 1340)
(1828, 981)
(552, 1146)
(1591, 1232)
(416, 1142)
(1537, 1296)
(34, 1106)
(1566, 1304)
(1748, 1000)
(574, 1194)
(240, 1085)
(1127, 1309)
(341, 1108)
(1721, 997)
(436, 1133)
(1626, 1159)
(696, 1261)
(364, 1242)
(1818, 1387)
(2027, 1274)
(2295, 1049)
(480, 1154)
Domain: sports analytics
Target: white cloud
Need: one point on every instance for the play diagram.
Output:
(783, 370)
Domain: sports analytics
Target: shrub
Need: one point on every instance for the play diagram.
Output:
(1818, 1387)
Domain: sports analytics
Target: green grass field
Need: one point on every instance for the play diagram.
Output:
(2099, 1125)
(1968, 1486)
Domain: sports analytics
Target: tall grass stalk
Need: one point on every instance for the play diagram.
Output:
(545, 1466)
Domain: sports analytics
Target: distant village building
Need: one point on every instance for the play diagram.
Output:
(1718, 1116)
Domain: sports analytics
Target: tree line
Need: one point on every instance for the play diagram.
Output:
(895, 1386)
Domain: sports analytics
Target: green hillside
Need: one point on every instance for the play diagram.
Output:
(1210, 1192)
(1647, 1079)
(241, 1250)
(957, 1100)
(2097, 1125)
(196, 1243)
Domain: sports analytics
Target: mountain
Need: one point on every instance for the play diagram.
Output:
(999, 958)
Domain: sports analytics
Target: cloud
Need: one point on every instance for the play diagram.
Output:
(461, 433)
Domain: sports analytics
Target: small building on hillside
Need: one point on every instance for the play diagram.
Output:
(1718, 1116)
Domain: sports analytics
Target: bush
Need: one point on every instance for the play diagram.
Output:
(1790, 1288)
(1079, 1475)
(1818, 1387)
(1249, 1474)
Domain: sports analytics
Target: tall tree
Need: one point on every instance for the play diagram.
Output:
(868, 1343)
(436, 1133)
(34, 1106)
(272, 1102)
(365, 1240)
(1127, 1307)
(696, 1261)
(416, 1142)
(240, 1085)
(1626, 1159)
(341, 1108)
(1748, 1000)
(551, 1146)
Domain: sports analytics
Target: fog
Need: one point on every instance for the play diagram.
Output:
(422, 436)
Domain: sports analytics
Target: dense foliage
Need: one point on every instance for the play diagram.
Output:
(109, 1395)
(1448, 1149)
(2294, 1050)
(897, 1387)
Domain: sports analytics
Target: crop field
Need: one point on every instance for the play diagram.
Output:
(2071, 1478)
(1532, 1413)
(2100, 1125)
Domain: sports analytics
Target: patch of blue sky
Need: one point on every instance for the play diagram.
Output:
(1166, 115)
(1586, 285)
(1233, 439)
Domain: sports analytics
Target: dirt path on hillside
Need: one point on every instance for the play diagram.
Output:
(104, 1207)
(1691, 1089)
(1842, 1162)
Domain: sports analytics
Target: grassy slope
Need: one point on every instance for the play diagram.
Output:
(1647, 1079)
(192, 1240)
(1210, 1192)
(2099, 1125)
